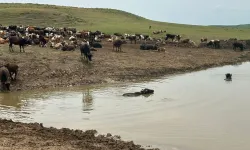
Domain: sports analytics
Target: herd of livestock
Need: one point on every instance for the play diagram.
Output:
(68, 39)
(56, 38)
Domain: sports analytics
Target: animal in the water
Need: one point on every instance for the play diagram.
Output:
(228, 77)
(5, 78)
(142, 92)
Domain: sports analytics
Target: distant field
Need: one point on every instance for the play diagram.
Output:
(108, 21)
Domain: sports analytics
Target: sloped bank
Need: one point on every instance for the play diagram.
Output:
(27, 136)
(49, 68)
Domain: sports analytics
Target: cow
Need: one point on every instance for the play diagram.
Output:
(146, 37)
(43, 41)
(13, 27)
(132, 38)
(156, 32)
(96, 45)
(161, 49)
(5, 78)
(203, 39)
(238, 45)
(148, 47)
(228, 77)
(173, 36)
(214, 43)
(117, 44)
(72, 38)
(3, 41)
(117, 34)
(13, 69)
(17, 41)
(185, 41)
(68, 48)
(85, 50)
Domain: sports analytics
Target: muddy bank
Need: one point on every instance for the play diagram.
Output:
(45, 67)
(16, 135)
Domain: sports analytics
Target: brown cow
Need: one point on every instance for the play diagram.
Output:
(17, 41)
(3, 41)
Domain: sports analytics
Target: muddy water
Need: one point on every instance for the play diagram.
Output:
(194, 111)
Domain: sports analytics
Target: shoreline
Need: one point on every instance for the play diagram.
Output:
(27, 136)
(43, 68)
(140, 78)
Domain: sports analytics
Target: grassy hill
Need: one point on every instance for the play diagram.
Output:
(240, 26)
(107, 20)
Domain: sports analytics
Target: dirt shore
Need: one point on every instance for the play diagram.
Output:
(46, 67)
(33, 136)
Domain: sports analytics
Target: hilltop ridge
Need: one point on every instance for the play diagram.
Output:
(107, 20)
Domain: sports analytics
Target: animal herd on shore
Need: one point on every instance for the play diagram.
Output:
(68, 39)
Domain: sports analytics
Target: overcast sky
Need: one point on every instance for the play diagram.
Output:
(197, 12)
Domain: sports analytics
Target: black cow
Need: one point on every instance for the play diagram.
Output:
(85, 50)
(13, 33)
(228, 77)
(21, 30)
(148, 47)
(146, 37)
(214, 43)
(238, 45)
(13, 27)
(142, 92)
(5, 78)
(173, 36)
(117, 44)
(42, 41)
(96, 45)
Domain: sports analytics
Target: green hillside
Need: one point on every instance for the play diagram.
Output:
(240, 26)
(107, 20)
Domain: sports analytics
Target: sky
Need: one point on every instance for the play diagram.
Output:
(195, 12)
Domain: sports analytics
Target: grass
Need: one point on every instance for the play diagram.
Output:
(108, 21)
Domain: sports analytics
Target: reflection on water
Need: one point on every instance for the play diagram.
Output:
(87, 100)
(10, 100)
(194, 111)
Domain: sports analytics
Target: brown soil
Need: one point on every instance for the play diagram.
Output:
(46, 67)
(33, 136)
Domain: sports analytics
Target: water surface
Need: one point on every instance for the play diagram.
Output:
(194, 111)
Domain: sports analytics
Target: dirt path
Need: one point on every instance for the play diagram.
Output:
(45, 67)
(33, 136)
